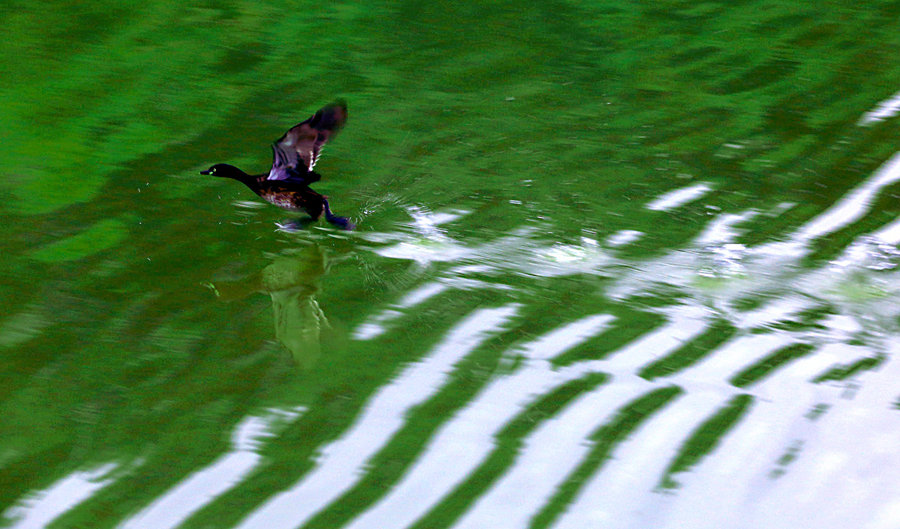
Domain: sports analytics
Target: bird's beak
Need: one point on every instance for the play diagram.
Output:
(206, 172)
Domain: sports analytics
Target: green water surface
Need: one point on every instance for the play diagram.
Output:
(145, 310)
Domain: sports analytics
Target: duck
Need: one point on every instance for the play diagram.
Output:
(294, 155)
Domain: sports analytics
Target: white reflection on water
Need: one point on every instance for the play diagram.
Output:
(741, 469)
(547, 458)
(427, 243)
(173, 507)
(522, 251)
(341, 463)
(838, 459)
(852, 206)
(205, 485)
(41, 508)
(747, 480)
(683, 323)
(885, 110)
(376, 325)
(465, 440)
(844, 476)
(615, 497)
(679, 197)
(623, 237)
(774, 270)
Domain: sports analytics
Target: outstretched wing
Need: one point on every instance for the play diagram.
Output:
(296, 153)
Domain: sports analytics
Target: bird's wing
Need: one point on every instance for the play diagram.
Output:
(296, 153)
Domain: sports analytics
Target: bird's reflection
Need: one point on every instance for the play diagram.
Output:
(292, 281)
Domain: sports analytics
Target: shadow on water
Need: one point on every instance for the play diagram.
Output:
(292, 281)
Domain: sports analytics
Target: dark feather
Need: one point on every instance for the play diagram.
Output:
(296, 153)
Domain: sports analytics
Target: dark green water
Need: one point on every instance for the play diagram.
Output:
(617, 265)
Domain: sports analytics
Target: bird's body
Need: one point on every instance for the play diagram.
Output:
(294, 156)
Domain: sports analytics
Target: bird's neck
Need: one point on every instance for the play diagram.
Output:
(251, 181)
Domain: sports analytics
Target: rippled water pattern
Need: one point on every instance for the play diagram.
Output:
(617, 266)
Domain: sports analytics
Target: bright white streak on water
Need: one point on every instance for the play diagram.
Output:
(41, 508)
(202, 487)
(852, 206)
(421, 294)
(616, 496)
(850, 209)
(750, 450)
(890, 233)
(886, 109)
(734, 355)
(567, 337)
(723, 229)
(684, 324)
(778, 309)
(709, 372)
(547, 457)
(465, 441)
(341, 463)
(375, 326)
(850, 454)
(847, 453)
(556, 448)
(623, 237)
(679, 197)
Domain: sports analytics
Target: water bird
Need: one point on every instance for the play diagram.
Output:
(295, 154)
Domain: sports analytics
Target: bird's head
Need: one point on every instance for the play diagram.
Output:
(224, 170)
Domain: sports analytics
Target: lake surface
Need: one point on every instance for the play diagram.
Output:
(616, 265)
